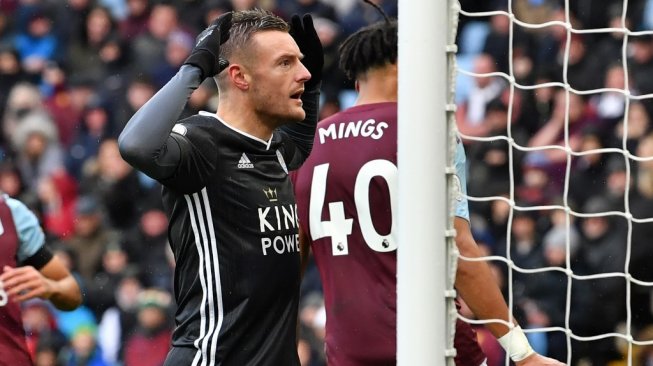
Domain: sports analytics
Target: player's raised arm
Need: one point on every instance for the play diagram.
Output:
(302, 133)
(145, 142)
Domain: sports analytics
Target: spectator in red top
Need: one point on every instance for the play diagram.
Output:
(148, 346)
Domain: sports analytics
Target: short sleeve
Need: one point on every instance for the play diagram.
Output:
(30, 235)
(461, 208)
(198, 152)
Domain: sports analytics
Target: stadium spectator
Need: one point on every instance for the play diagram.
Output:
(41, 327)
(611, 106)
(148, 345)
(552, 159)
(119, 321)
(100, 292)
(639, 125)
(588, 177)
(91, 237)
(95, 127)
(147, 246)
(471, 115)
(37, 44)
(22, 99)
(602, 250)
(57, 193)
(98, 52)
(138, 91)
(581, 69)
(135, 24)
(177, 51)
(148, 48)
(84, 349)
(11, 73)
(115, 184)
(38, 152)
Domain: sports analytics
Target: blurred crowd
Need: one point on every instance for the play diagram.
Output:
(588, 147)
(73, 72)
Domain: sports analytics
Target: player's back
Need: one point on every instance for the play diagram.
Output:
(12, 335)
(346, 197)
(345, 194)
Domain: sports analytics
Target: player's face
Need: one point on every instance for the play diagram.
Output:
(278, 77)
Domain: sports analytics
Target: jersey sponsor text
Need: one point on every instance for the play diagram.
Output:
(278, 218)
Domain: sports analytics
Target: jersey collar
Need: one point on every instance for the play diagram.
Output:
(266, 143)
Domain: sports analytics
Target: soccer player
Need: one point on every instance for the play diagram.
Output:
(345, 192)
(232, 211)
(28, 270)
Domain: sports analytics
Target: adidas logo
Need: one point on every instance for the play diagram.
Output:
(245, 163)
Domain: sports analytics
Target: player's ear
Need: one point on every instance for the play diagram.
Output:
(239, 76)
(357, 86)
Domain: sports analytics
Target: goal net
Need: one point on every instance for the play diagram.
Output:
(554, 106)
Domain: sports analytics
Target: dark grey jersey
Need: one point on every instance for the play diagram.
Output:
(233, 231)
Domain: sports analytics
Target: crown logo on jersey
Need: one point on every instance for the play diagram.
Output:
(245, 163)
(271, 194)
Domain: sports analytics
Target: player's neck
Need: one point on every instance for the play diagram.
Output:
(243, 119)
(376, 95)
(378, 86)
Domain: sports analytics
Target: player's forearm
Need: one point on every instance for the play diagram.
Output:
(476, 285)
(302, 133)
(144, 141)
(65, 294)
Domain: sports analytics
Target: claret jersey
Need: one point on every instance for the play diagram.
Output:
(20, 238)
(346, 195)
(233, 231)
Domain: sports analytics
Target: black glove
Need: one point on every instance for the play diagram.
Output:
(206, 54)
(309, 44)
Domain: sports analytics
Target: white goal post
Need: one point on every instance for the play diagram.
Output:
(425, 266)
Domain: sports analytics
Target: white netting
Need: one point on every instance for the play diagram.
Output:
(572, 149)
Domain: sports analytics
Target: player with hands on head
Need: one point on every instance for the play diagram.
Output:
(28, 270)
(226, 188)
(347, 214)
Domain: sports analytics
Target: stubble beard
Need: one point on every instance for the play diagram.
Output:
(269, 112)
